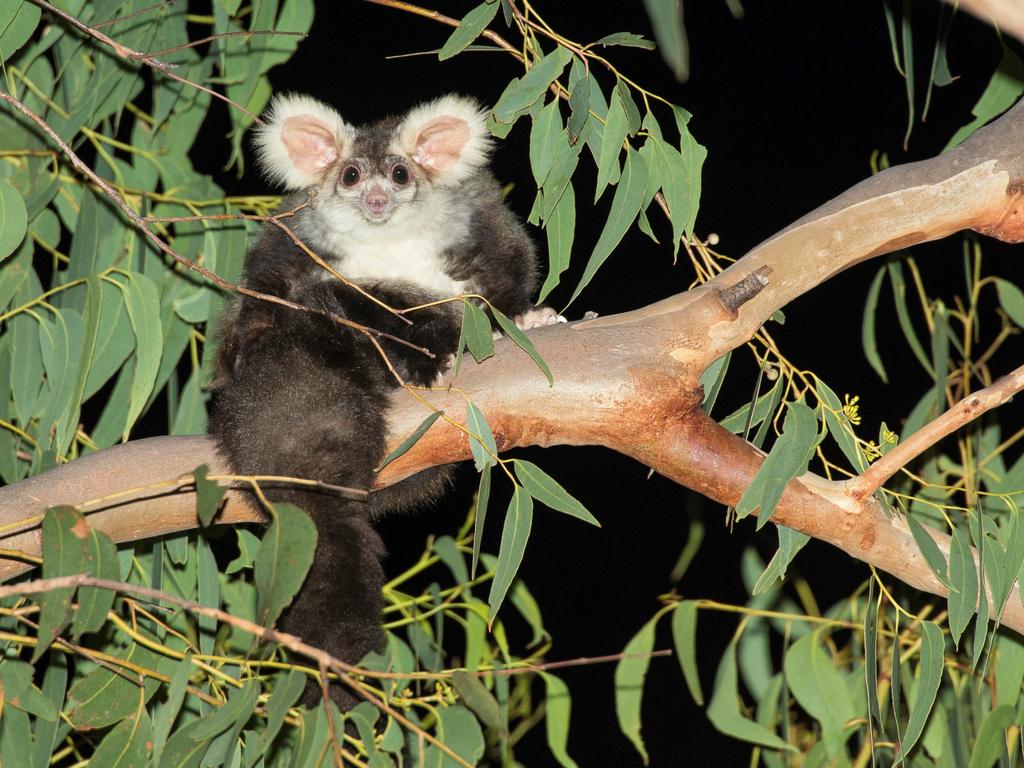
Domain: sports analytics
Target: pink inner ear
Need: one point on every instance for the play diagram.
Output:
(440, 143)
(310, 144)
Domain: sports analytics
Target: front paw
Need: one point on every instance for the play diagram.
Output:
(538, 317)
(444, 372)
(420, 370)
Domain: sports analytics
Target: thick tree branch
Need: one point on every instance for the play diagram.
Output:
(1005, 15)
(631, 381)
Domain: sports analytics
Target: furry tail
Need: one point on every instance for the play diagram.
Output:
(297, 405)
(339, 607)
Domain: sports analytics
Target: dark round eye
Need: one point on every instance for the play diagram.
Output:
(350, 176)
(400, 174)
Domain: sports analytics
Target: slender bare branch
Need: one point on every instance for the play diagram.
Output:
(130, 54)
(429, 13)
(133, 14)
(964, 412)
(211, 38)
(292, 643)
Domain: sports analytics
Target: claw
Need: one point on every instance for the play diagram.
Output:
(445, 372)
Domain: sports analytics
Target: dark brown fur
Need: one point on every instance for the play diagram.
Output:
(296, 394)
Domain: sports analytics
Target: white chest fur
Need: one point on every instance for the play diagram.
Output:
(408, 247)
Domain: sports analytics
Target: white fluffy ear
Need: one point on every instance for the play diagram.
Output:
(301, 139)
(446, 137)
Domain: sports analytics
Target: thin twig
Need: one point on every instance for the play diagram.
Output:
(114, 664)
(211, 38)
(965, 411)
(581, 661)
(494, 37)
(276, 221)
(130, 54)
(272, 635)
(133, 14)
(384, 707)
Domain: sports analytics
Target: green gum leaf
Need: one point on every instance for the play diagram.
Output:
(629, 684)
(930, 675)
(284, 557)
(469, 29)
(476, 330)
(629, 195)
(523, 342)
(963, 581)
(412, 439)
(787, 459)
(481, 441)
(684, 633)
(549, 492)
(13, 218)
(557, 708)
(514, 535)
(483, 495)
(724, 712)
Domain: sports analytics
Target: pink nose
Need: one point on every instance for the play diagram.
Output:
(377, 201)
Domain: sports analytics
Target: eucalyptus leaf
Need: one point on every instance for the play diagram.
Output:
(525, 91)
(103, 697)
(991, 740)
(474, 694)
(412, 439)
(929, 549)
(476, 330)
(209, 494)
(469, 29)
(1002, 91)
(546, 132)
(13, 217)
(867, 334)
(18, 20)
(963, 581)
(667, 20)
(142, 301)
(523, 342)
(684, 633)
(629, 195)
(560, 229)
(930, 672)
(549, 492)
(481, 439)
(94, 602)
(724, 712)
(483, 496)
(787, 459)
(21, 693)
(613, 135)
(65, 553)
(514, 535)
(284, 557)
(557, 707)
(127, 744)
(630, 673)
(1011, 298)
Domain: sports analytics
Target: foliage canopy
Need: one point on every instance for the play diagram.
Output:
(101, 328)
